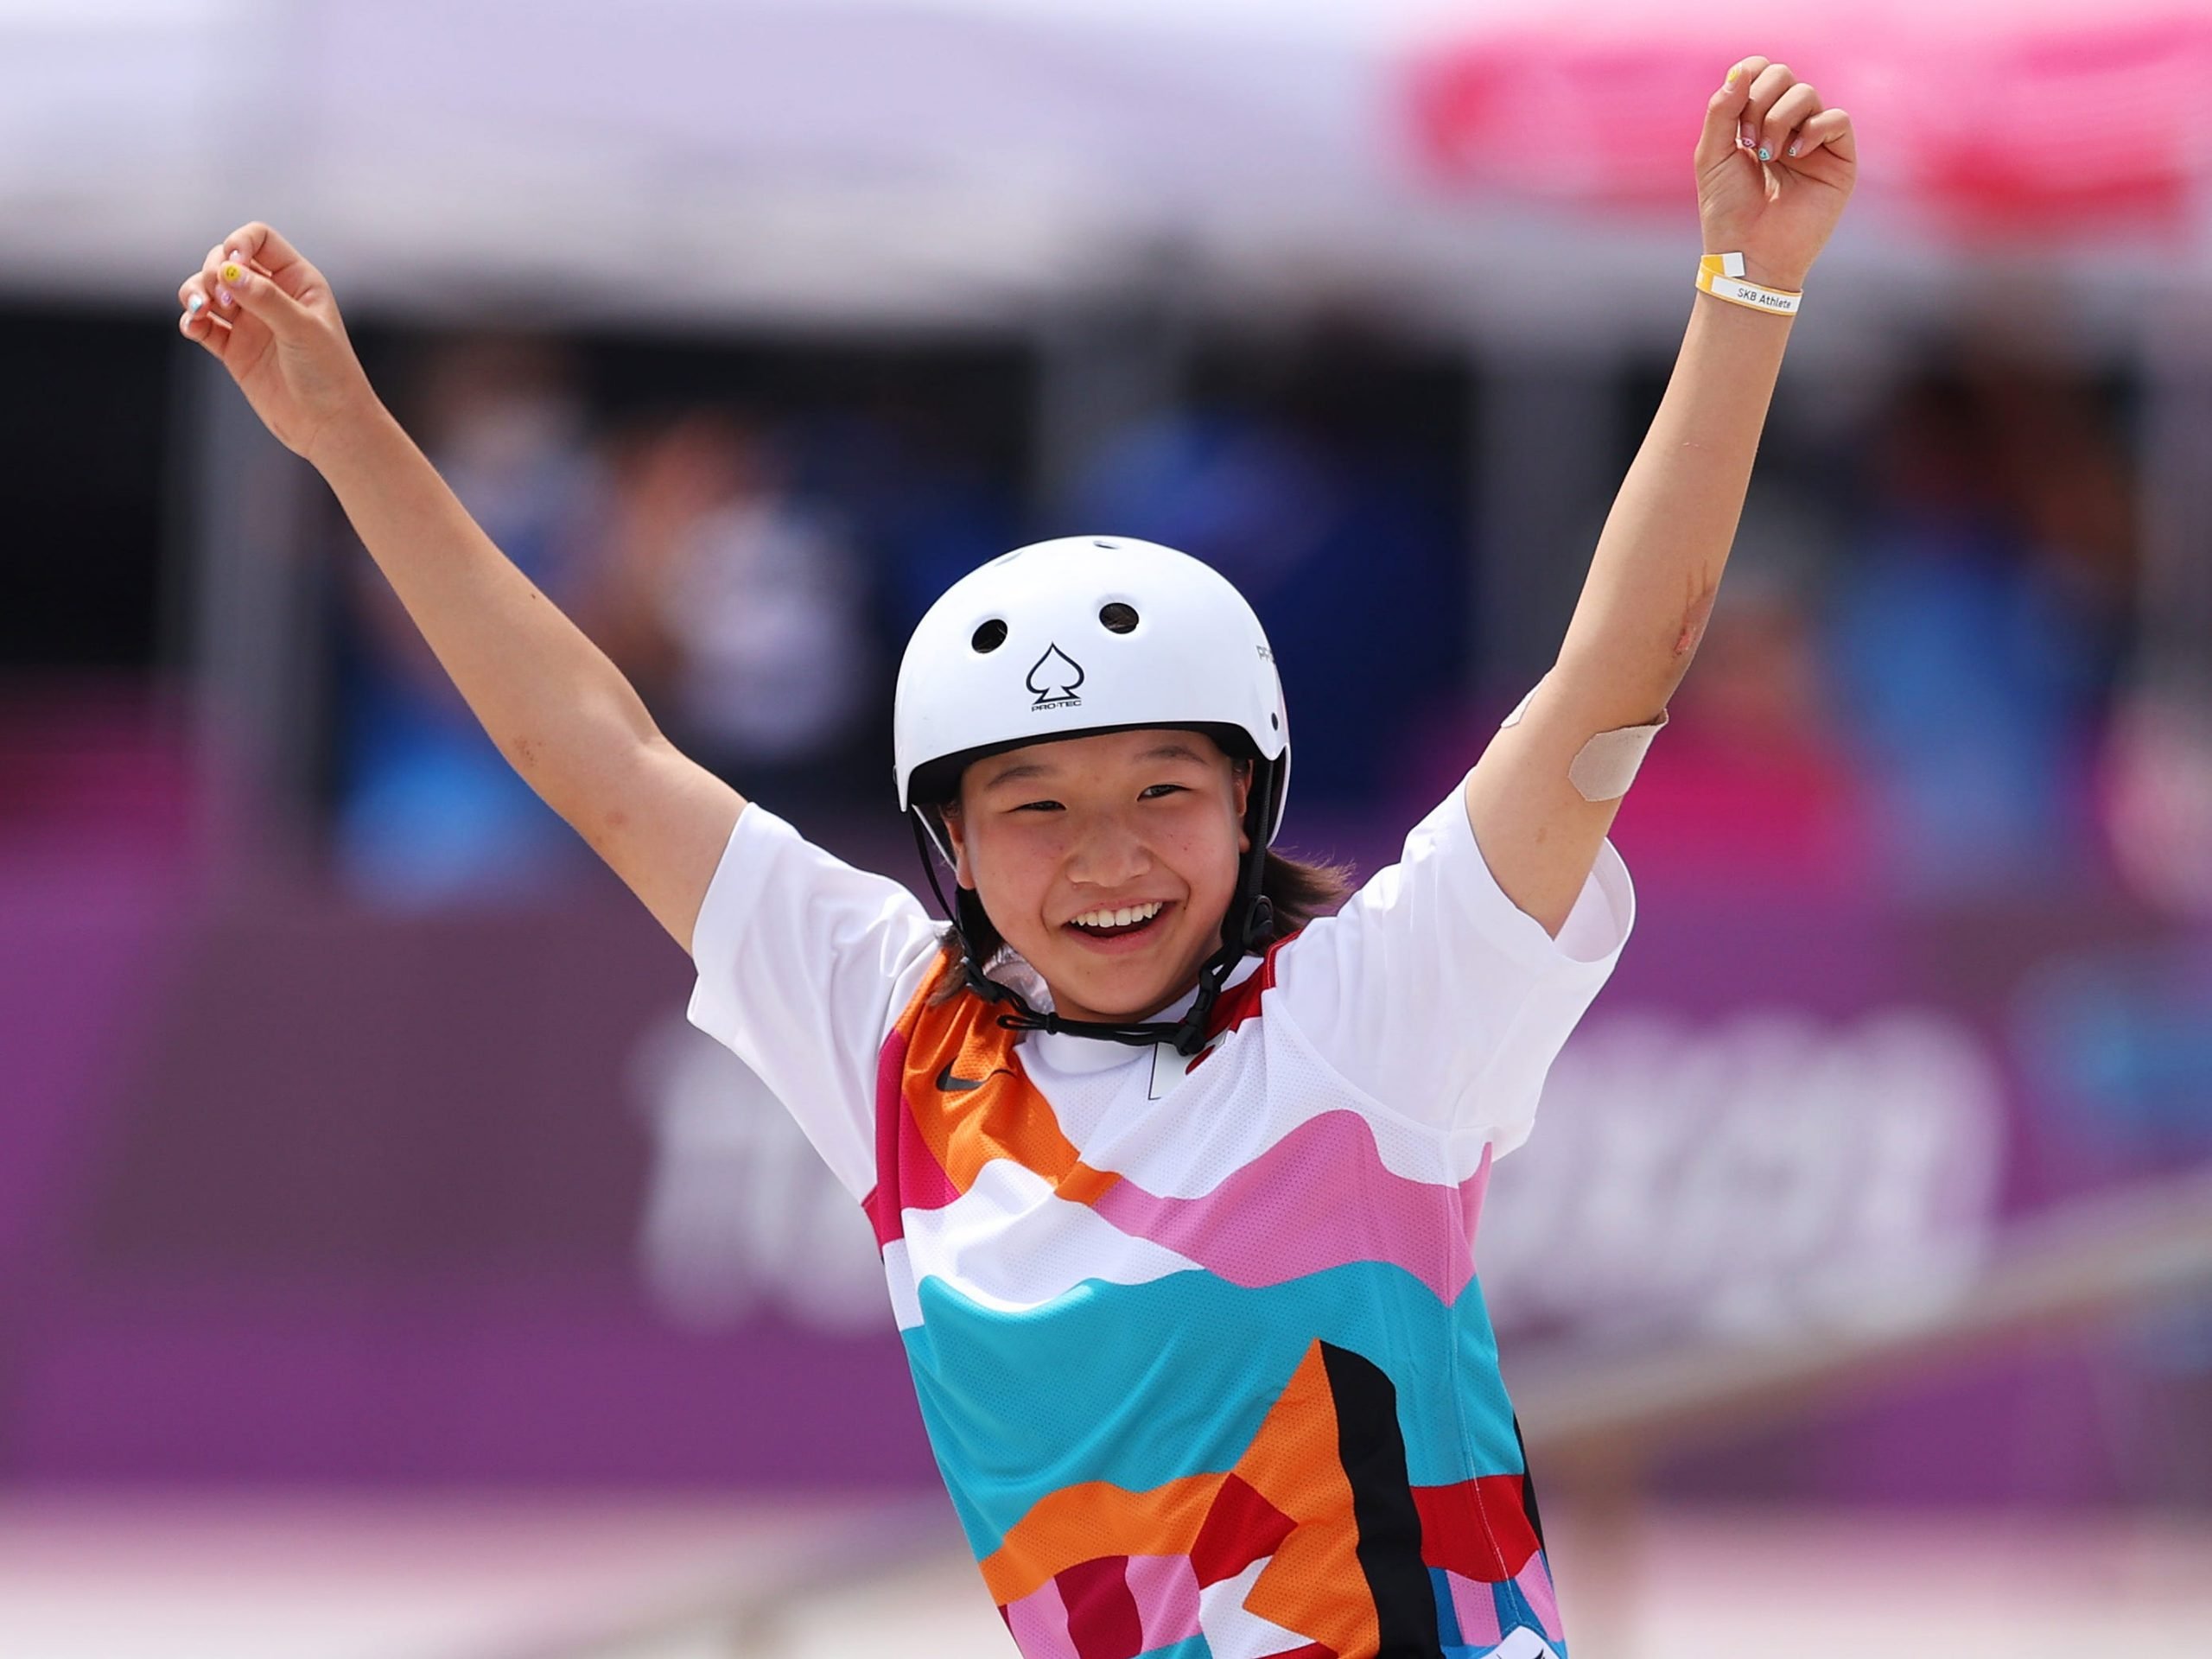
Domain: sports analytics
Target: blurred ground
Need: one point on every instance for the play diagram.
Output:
(125, 1577)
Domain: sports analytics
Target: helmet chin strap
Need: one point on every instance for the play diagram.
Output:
(1248, 925)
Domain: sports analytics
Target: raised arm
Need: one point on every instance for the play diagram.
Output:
(560, 713)
(1773, 169)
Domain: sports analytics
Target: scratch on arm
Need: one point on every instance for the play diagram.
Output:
(1695, 618)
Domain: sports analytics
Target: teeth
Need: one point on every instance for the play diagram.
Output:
(1121, 917)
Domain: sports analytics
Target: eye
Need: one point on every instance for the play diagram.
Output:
(1160, 792)
(1038, 806)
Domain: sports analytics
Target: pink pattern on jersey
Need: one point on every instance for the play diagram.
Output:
(1039, 1623)
(1478, 1610)
(921, 1182)
(1320, 1198)
(1535, 1583)
(1166, 1591)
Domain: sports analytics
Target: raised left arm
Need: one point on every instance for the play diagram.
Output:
(1773, 169)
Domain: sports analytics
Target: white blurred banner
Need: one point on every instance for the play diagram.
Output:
(965, 161)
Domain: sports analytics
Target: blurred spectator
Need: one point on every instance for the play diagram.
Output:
(913, 478)
(2157, 794)
(742, 613)
(2067, 487)
(1304, 486)
(1973, 629)
(429, 811)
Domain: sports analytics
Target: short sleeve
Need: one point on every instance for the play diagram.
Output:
(1435, 995)
(803, 965)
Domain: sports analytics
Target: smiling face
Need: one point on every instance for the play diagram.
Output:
(1107, 861)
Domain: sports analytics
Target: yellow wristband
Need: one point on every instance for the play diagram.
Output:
(1721, 275)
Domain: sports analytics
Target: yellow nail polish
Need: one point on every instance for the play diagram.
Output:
(232, 274)
(1734, 75)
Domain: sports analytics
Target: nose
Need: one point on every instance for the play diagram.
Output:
(1108, 853)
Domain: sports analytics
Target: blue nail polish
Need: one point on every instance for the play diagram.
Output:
(1765, 154)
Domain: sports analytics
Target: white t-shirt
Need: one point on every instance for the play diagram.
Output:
(1199, 1345)
(1430, 992)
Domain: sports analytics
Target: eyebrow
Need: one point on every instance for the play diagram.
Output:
(1022, 771)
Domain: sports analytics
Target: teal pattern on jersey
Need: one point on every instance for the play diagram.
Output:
(1021, 1404)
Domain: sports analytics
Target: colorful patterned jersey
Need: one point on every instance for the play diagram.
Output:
(1200, 1346)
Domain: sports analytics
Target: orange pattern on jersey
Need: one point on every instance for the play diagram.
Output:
(986, 1107)
(1313, 1585)
(1095, 1518)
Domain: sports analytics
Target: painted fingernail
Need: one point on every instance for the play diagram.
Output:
(1734, 75)
(226, 297)
(232, 273)
(193, 305)
(1765, 154)
(1796, 144)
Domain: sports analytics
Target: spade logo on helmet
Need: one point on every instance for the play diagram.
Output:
(1054, 677)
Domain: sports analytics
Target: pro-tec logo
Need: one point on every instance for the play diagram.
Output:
(1054, 677)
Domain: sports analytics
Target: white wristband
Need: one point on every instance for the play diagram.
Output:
(1721, 275)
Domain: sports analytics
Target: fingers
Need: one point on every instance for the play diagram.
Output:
(216, 298)
(1767, 89)
(1797, 103)
(264, 247)
(240, 287)
(1763, 107)
(224, 333)
(203, 317)
(1723, 115)
(198, 323)
(211, 309)
(269, 253)
(1830, 128)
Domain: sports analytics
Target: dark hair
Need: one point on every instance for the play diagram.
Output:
(1297, 890)
(1302, 889)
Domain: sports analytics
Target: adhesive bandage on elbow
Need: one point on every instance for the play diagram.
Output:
(1604, 767)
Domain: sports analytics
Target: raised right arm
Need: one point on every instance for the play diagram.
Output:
(562, 714)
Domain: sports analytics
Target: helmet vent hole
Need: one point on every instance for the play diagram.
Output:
(988, 637)
(1104, 543)
(1118, 618)
(1274, 721)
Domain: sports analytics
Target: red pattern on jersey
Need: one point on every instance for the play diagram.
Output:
(1240, 1001)
(1478, 1528)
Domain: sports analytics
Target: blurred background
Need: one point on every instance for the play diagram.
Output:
(385, 1267)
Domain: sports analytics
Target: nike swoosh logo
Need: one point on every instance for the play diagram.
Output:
(952, 1086)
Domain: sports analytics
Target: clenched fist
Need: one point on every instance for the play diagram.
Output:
(1775, 166)
(270, 316)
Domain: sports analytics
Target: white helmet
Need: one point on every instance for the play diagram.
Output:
(1080, 635)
